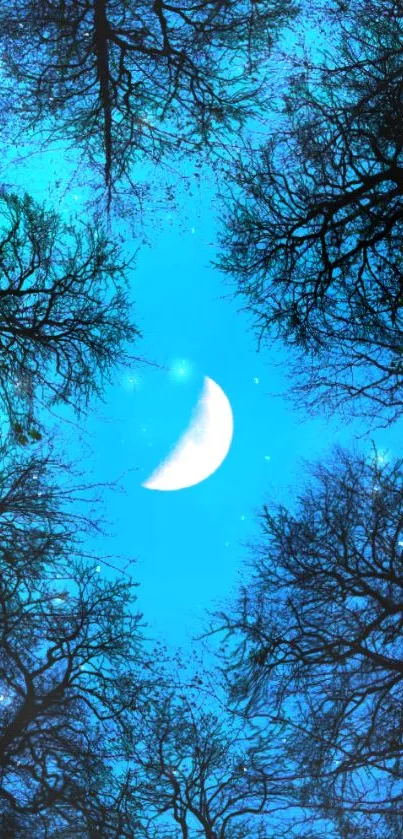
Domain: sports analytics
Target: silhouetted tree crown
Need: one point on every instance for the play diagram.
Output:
(132, 80)
(314, 231)
(318, 636)
(201, 774)
(72, 667)
(64, 310)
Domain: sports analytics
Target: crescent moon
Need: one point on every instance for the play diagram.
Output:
(203, 446)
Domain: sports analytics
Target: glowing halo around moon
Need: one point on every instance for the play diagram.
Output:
(203, 446)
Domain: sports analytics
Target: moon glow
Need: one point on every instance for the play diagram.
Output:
(203, 446)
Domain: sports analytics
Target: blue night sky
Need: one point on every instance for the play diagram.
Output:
(189, 544)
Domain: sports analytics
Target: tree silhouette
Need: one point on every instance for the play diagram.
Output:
(206, 771)
(318, 637)
(201, 771)
(314, 228)
(64, 312)
(71, 670)
(134, 80)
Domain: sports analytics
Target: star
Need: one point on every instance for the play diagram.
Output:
(132, 381)
(267, 457)
(181, 369)
(255, 380)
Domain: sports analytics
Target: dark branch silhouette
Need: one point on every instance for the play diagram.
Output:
(133, 80)
(315, 226)
(71, 671)
(318, 637)
(64, 311)
(203, 774)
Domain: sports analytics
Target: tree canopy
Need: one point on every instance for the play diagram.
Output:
(313, 233)
(131, 81)
(100, 735)
(317, 630)
(201, 773)
(72, 668)
(64, 314)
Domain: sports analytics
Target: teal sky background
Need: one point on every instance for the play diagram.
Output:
(189, 544)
